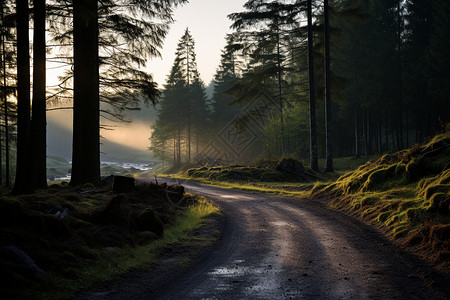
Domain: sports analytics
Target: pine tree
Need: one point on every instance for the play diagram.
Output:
(86, 103)
(328, 137)
(183, 109)
(21, 184)
(38, 131)
(275, 19)
(313, 156)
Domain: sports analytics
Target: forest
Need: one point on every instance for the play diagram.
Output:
(310, 79)
(254, 205)
(102, 46)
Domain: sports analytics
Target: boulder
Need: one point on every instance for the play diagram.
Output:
(290, 166)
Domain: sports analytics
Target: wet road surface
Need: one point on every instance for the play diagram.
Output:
(278, 248)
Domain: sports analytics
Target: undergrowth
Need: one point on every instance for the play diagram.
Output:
(85, 250)
(408, 192)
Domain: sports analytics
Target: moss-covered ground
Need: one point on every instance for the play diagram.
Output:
(101, 239)
(407, 193)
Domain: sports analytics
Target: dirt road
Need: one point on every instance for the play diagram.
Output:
(278, 248)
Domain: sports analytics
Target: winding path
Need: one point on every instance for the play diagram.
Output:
(280, 248)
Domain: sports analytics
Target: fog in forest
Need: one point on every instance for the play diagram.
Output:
(122, 142)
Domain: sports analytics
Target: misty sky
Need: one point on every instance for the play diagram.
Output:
(208, 23)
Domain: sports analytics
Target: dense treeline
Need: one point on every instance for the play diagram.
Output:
(103, 45)
(387, 82)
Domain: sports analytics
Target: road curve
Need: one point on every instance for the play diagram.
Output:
(279, 248)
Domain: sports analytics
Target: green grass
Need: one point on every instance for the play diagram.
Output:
(408, 193)
(82, 268)
(296, 189)
(112, 263)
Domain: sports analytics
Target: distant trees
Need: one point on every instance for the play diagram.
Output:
(183, 109)
(8, 87)
(369, 75)
(313, 156)
(272, 23)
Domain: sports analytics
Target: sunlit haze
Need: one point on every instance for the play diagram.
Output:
(208, 23)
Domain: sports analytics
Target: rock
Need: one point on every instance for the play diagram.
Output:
(123, 184)
(17, 261)
(148, 221)
(175, 192)
(59, 212)
(290, 166)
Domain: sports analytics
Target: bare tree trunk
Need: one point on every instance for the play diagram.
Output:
(280, 94)
(312, 98)
(5, 101)
(328, 137)
(39, 120)
(21, 184)
(86, 102)
(356, 135)
(400, 85)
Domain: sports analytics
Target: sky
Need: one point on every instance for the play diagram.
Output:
(208, 23)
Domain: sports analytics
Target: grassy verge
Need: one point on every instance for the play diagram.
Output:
(112, 263)
(78, 253)
(408, 193)
(295, 189)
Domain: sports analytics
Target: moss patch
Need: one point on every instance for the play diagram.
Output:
(104, 236)
(408, 192)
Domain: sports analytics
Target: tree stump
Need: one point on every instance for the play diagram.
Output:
(123, 184)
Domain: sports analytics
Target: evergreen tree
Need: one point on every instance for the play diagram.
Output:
(7, 57)
(21, 184)
(328, 137)
(225, 77)
(183, 109)
(86, 104)
(313, 156)
(39, 154)
(275, 20)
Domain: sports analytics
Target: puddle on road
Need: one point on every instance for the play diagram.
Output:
(237, 197)
(241, 279)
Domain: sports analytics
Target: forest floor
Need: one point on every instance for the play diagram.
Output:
(381, 230)
(60, 241)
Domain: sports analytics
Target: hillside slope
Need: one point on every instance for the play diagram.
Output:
(407, 192)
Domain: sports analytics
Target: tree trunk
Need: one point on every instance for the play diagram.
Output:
(399, 75)
(356, 135)
(280, 97)
(21, 184)
(365, 135)
(312, 98)
(39, 121)
(86, 104)
(329, 150)
(5, 101)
